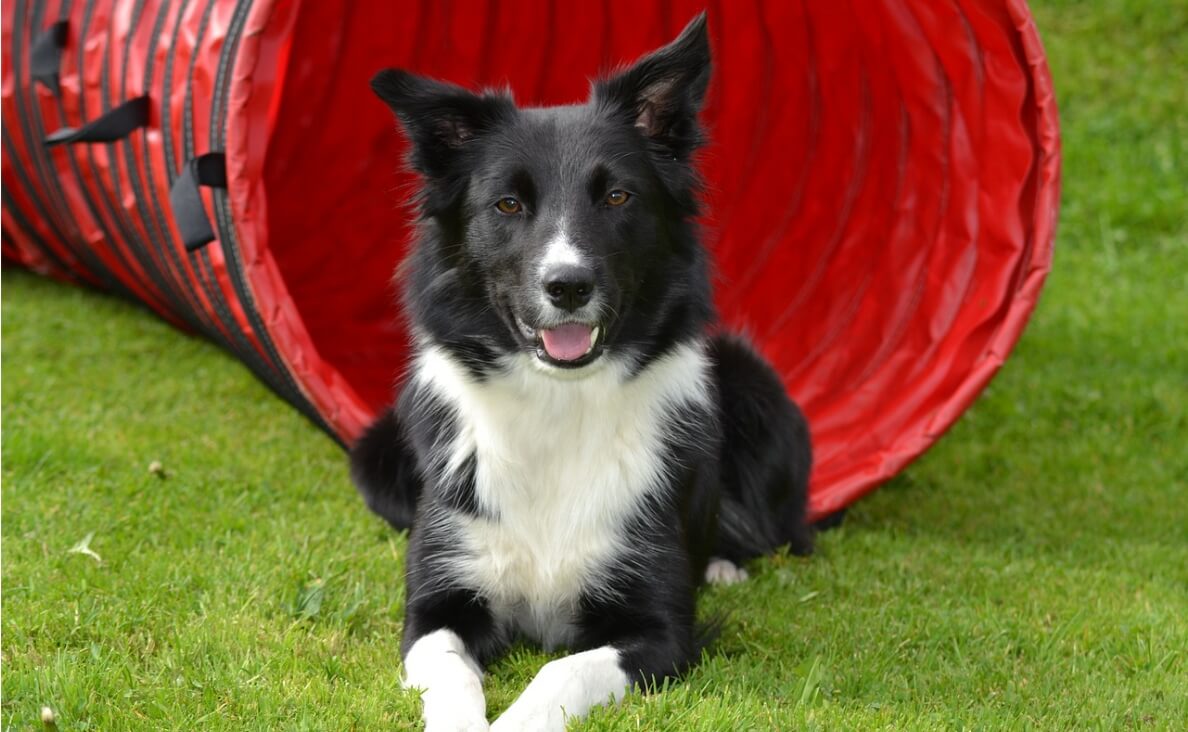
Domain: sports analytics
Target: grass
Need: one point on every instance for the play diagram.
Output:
(1030, 572)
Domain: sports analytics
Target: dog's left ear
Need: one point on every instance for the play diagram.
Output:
(663, 92)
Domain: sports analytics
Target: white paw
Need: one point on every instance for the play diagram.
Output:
(724, 572)
(450, 681)
(459, 726)
(539, 720)
(457, 719)
(566, 688)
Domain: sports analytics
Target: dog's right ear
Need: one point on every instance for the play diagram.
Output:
(440, 119)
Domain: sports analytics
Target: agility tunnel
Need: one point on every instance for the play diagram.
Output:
(882, 183)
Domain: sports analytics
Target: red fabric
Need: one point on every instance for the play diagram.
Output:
(883, 185)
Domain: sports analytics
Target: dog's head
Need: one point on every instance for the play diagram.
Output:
(563, 232)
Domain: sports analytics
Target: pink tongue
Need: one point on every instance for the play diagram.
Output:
(567, 343)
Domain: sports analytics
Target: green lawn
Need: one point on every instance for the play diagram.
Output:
(1030, 572)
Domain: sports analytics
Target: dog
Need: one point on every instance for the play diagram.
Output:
(576, 446)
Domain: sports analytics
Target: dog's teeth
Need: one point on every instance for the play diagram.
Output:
(593, 338)
(525, 328)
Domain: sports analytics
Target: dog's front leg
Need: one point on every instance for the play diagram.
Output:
(567, 687)
(444, 636)
(451, 683)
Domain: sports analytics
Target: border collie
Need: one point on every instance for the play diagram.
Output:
(575, 446)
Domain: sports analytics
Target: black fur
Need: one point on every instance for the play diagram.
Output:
(385, 471)
(737, 475)
(766, 457)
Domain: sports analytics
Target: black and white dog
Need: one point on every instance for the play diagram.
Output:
(573, 447)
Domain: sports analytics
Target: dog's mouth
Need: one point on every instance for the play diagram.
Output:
(568, 345)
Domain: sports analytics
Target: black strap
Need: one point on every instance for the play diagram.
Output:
(115, 125)
(45, 57)
(208, 170)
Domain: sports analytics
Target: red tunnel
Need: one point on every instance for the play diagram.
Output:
(883, 182)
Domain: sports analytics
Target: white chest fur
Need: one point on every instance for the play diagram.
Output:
(562, 461)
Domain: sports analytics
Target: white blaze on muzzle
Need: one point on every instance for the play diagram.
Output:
(560, 251)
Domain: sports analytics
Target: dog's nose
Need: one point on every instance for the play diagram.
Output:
(569, 286)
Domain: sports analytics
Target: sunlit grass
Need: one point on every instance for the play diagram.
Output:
(1030, 572)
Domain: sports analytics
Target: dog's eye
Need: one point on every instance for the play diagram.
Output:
(509, 206)
(617, 198)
